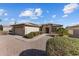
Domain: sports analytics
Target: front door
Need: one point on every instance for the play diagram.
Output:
(47, 30)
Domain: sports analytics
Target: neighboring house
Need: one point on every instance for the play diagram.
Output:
(50, 28)
(7, 28)
(73, 30)
(22, 29)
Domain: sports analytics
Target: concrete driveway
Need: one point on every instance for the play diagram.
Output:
(12, 45)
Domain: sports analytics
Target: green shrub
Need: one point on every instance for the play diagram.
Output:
(1, 28)
(32, 34)
(62, 31)
(62, 46)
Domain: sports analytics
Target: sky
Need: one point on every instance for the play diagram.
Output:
(66, 14)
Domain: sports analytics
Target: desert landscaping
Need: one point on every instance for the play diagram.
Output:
(39, 29)
(39, 43)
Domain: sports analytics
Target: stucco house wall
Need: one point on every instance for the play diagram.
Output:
(70, 31)
(73, 30)
(31, 29)
(22, 29)
(7, 28)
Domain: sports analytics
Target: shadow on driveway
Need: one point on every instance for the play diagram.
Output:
(33, 52)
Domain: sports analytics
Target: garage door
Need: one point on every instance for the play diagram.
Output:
(76, 32)
(19, 31)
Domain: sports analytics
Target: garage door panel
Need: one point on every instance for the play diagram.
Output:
(76, 33)
(19, 31)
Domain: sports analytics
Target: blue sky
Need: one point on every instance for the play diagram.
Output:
(60, 13)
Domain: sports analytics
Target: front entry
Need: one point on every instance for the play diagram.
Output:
(47, 30)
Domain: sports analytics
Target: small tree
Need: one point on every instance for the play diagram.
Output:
(1, 27)
(62, 31)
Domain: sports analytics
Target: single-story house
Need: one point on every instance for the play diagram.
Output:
(22, 29)
(50, 28)
(73, 30)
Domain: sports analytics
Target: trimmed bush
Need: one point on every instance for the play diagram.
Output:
(32, 34)
(62, 31)
(62, 46)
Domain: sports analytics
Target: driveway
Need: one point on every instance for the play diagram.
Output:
(13, 45)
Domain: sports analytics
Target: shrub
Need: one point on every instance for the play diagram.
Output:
(32, 34)
(1, 28)
(62, 46)
(62, 31)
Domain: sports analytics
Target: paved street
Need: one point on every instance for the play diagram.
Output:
(12, 45)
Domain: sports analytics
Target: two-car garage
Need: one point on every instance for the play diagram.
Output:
(22, 29)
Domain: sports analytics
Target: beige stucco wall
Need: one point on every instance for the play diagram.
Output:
(70, 31)
(7, 28)
(31, 29)
(74, 31)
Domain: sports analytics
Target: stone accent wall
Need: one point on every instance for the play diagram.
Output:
(47, 26)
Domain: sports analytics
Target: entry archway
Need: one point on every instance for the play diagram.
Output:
(47, 29)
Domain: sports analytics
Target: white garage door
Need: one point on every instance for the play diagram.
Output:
(19, 31)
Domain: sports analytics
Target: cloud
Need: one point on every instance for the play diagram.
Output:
(32, 13)
(38, 12)
(69, 8)
(6, 19)
(47, 11)
(3, 12)
(65, 16)
(28, 12)
(74, 23)
(12, 19)
(11, 23)
(53, 16)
